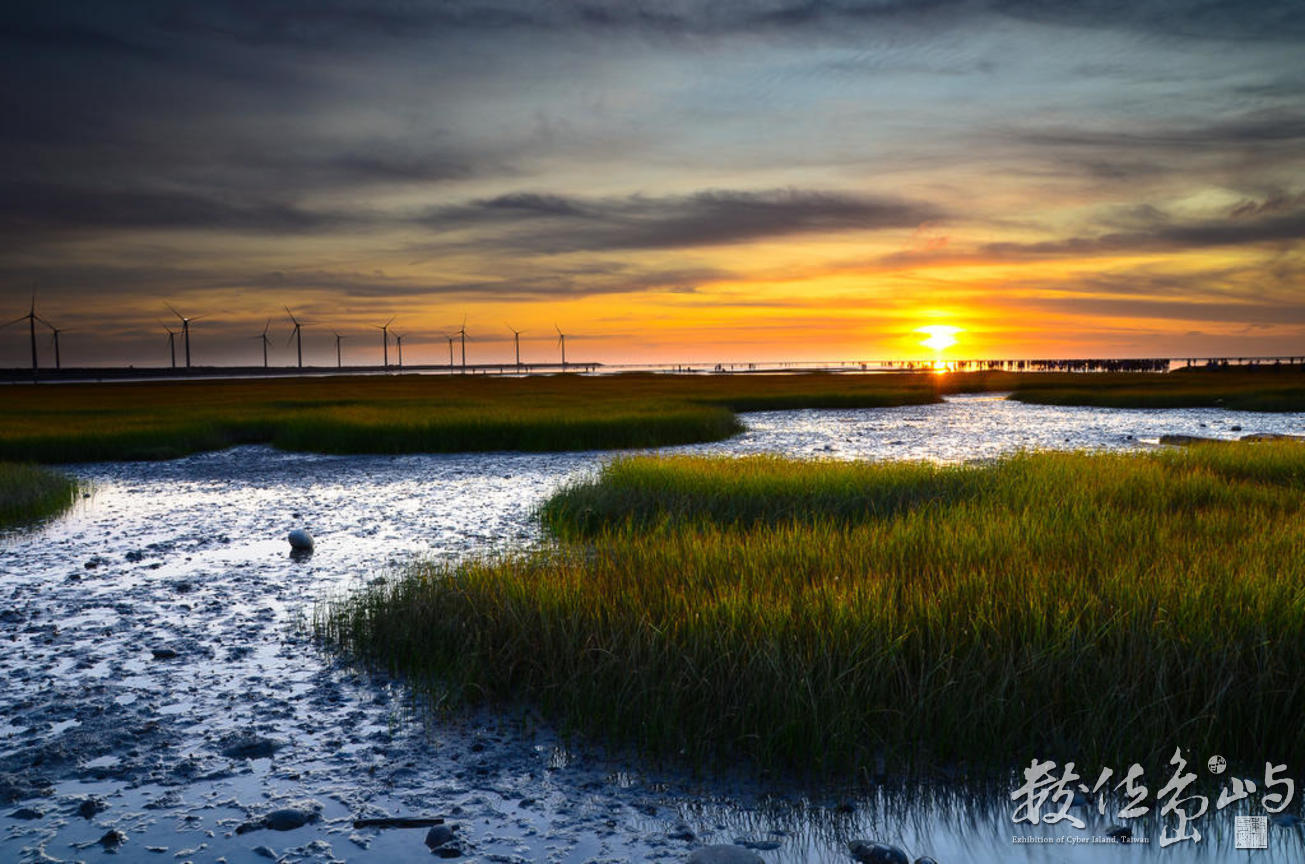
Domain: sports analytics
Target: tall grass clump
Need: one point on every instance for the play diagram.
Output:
(1096, 607)
(29, 493)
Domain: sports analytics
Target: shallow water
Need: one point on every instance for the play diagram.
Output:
(189, 556)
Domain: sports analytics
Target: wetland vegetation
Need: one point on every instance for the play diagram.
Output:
(439, 413)
(824, 618)
(29, 493)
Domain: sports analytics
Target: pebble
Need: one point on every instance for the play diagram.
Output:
(301, 540)
(112, 839)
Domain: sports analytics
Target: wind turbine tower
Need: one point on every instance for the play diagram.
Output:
(516, 341)
(172, 345)
(262, 337)
(462, 332)
(385, 342)
(31, 318)
(185, 330)
(296, 335)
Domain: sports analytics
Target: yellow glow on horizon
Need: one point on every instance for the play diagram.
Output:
(941, 336)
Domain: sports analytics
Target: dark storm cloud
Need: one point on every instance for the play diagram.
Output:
(1266, 127)
(46, 208)
(553, 223)
(136, 27)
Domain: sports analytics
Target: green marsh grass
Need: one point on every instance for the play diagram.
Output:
(29, 493)
(1266, 389)
(807, 618)
(438, 413)
(414, 413)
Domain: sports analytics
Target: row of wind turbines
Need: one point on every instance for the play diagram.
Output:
(296, 337)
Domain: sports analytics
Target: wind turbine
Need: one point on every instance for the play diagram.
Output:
(296, 335)
(172, 344)
(54, 337)
(385, 340)
(398, 341)
(462, 331)
(31, 318)
(338, 337)
(516, 340)
(450, 338)
(185, 329)
(262, 336)
(561, 340)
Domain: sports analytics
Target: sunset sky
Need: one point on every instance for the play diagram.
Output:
(681, 181)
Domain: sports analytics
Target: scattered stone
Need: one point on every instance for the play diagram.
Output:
(869, 852)
(289, 818)
(90, 807)
(681, 831)
(1180, 440)
(249, 746)
(164, 653)
(1235, 428)
(442, 841)
(439, 836)
(26, 813)
(724, 854)
(135, 556)
(301, 540)
(112, 839)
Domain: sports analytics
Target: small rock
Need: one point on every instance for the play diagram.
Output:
(440, 835)
(90, 807)
(164, 653)
(724, 854)
(289, 818)
(249, 746)
(301, 540)
(681, 831)
(26, 813)
(1185, 439)
(112, 839)
(869, 852)
(264, 852)
(1235, 428)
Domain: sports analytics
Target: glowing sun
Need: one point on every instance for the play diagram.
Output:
(940, 336)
